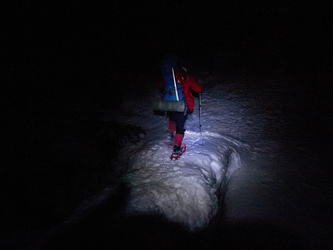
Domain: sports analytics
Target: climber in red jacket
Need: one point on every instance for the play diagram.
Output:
(178, 119)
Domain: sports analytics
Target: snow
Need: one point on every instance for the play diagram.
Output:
(185, 190)
(253, 174)
(251, 158)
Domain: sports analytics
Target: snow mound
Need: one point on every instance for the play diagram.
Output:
(187, 190)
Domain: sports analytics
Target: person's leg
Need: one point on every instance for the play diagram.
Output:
(180, 131)
(172, 125)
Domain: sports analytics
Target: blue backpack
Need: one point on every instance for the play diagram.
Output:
(172, 88)
(168, 65)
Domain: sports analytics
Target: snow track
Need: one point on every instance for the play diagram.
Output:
(184, 191)
(246, 127)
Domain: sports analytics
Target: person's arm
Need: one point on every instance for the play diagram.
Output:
(194, 84)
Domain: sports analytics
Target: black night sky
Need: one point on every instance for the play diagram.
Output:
(59, 56)
(65, 62)
(65, 47)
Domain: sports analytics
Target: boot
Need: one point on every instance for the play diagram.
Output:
(177, 150)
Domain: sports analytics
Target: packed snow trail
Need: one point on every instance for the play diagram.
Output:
(184, 191)
(250, 122)
(188, 190)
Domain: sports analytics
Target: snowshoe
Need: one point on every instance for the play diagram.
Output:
(178, 151)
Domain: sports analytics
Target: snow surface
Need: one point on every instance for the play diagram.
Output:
(185, 190)
(252, 164)
(251, 175)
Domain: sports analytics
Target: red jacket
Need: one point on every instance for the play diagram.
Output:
(188, 83)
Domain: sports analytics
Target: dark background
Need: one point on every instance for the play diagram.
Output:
(64, 50)
(58, 57)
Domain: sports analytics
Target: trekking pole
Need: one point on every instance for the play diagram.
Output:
(200, 125)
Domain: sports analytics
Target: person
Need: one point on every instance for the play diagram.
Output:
(177, 120)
